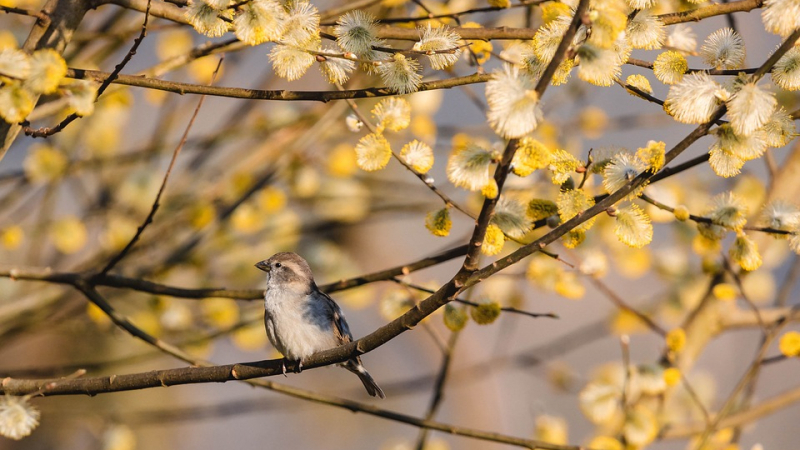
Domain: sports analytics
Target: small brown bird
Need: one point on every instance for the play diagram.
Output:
(302, 320)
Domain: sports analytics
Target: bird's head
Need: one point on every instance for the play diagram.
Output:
(287, 271)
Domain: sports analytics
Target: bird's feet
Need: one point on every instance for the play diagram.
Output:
(298, 369)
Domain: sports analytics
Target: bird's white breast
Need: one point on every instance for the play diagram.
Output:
(295, 324)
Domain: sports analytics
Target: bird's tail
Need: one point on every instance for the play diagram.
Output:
(370, 385)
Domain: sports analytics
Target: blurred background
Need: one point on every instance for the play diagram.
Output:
(258, 177)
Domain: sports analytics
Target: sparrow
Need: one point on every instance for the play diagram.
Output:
(302, 320)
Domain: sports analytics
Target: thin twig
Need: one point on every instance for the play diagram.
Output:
(471, 303)
(116, 259)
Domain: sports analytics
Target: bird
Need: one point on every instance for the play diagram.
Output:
(301, 319)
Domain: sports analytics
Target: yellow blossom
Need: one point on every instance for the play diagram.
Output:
(552, 10)
(423, 127)
(551, 429)
(652, 155)
(250, 337)
(672, 376)
(118, 232)
(7, 40)
(491, 189)
(681, 213)
(670, 66)
(639, 82)
(44, 163)
(485, 313)
(531, 155)
(201, 215)
(342, 161)
(455, 318)
(744, 252)
(438, 222)
(11, 237)
(593, 121)
(573, 238)
(626, 322)
(790, 344)
(271, 200)
(676, 340)
(481, 49)
(569, 286)
(562, 164)
(247, 219)
(373, 152)
(493, 240)
(641, 426)
(418, 155)
(202, 69)
(633, 227)
(724, 291)
(69, 234)
(173, 42)
(48, 68)
(97, 316)
(571, 203)
(539, 209)
(220, 312)
(562, 72)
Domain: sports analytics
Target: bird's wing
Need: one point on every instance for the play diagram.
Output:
(340, 328)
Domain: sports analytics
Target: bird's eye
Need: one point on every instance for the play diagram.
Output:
(278, 264)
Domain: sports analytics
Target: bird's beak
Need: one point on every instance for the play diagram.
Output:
(263, 265)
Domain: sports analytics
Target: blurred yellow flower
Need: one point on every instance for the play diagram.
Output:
(203, 68)
(97, 316)
(625, 322)
(593, 121)
(342, 161)
(201, 214)
(220, 312)
(681, 213)
(485, 313)
(790, 344)
(551, 429)
(118, 232)
(119, 437)
(250, 337)
(553, 10)
(11, 237)
(44, 163)
(481, 49)
(395, 302)
(271, 199)
(640, 426)
(173, 42)
(423, 127)
(147, 321)
(676, 340)
(672, 376)
(725, 291)
(605, 443)
(569, 286)
(455, 318)
(7, 40)
(247, 219)
(68, 234)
